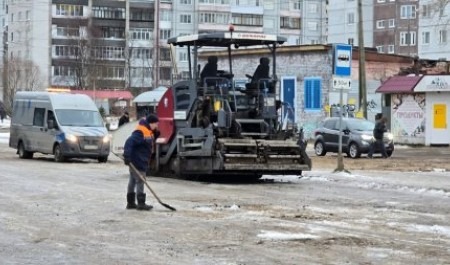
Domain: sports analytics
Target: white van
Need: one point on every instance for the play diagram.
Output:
(65, 125)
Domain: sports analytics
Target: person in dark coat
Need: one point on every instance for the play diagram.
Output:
(124, 119)
(378, 133)
(138, 150)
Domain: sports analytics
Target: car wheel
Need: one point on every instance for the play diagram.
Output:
(389, 153)
(58, 154)
(353, 151)
(102, 159)
(319, 149)
(24, 154)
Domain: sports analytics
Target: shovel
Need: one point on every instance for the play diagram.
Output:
(149, 188)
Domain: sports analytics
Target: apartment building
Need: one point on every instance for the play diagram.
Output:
(396, 26)
(343, 22)
(434, 29)
(109, 44)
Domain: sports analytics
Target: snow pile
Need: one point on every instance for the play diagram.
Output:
(5, 124)
(271, 235)
(4, 138)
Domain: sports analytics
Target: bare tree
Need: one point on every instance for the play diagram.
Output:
(23, 75)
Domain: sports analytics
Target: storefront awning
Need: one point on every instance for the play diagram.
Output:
(399, 84)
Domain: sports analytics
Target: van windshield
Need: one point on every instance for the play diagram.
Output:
(79, 118)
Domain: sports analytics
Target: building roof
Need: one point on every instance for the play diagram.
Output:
(105, 94)
(152, 96)
(399, 84)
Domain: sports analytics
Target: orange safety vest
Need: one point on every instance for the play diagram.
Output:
(148, 134)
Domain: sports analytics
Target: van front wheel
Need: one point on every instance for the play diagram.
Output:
(24, 154)
(58, 154)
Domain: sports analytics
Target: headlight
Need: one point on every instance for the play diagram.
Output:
(390, 136)
(366, 137)
(106, 139)
(71, 138)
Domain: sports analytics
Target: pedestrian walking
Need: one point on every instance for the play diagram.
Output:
(138, 150)
(378, 134)
(124, 119)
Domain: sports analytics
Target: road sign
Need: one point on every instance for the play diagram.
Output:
(342, 60)
(342, 82)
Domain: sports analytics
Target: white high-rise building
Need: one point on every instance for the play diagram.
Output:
(434, 29)
(343, 22)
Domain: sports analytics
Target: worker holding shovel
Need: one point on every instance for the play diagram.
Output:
(137, 153)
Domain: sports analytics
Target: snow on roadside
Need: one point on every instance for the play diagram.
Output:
(4, 138)
(272, 235)
(431, 229)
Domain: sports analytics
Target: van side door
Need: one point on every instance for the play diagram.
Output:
(35, 137)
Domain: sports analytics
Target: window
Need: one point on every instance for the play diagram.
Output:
(112, 32)
(289, 23)
(12, 17)
(141, 34)
(313, 93)
(408, 12)
(381, 1)
(247, 20)
(67, 32)
(12, 36)
(38, 119)
(141, 53)
(66, 51)
(108, 12)
(407, 38)
(425, 37)
(27, 15)
(442, 36)
(114, 72)
(185, 19)
(166, 15)
(351, 18)
(426, 11)
(141, 15)
(297, 5)
(69, 10)
(380, 49)
(392, 23)
(185, 2)
(380, 24)
(214, 18)
(164, 34)
(108, 52)
(164, 54)
(391, 49)
(64, 71)
(182, 57)
(164, 73)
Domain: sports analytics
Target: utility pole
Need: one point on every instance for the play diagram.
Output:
(362, 63)
(156, 47)
(5, 84)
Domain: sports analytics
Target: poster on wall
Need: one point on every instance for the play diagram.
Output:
(408, 115)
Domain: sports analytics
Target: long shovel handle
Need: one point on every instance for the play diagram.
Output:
(149, 188)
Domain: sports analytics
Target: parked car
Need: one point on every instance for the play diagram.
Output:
(357, 135)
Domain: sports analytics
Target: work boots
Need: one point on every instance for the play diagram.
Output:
(141, 206)
(131, 200)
